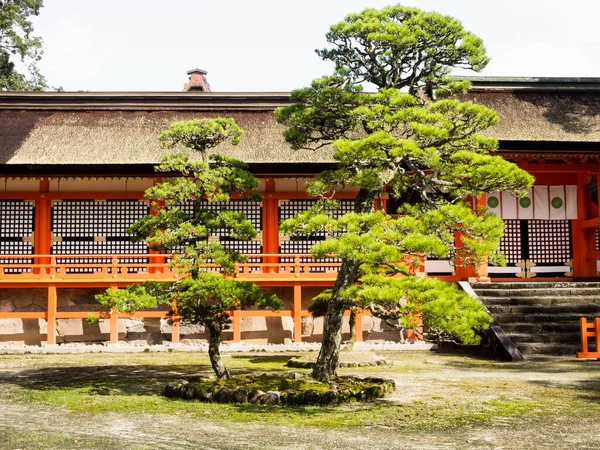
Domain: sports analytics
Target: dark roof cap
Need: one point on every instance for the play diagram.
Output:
(196, 70)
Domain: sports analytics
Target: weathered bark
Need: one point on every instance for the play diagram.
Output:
(329, 355)
(352, 325)
(214, 342)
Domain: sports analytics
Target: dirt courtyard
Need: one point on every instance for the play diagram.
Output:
(442, 400)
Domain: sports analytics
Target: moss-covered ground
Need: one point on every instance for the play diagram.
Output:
(441, 401)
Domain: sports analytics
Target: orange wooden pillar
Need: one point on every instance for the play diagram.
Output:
(114, 324)
(51, 314)
(237, 325)
(155, 257)
(297, 313)
(270, 233)
(43, 226)
(584, 266)
(358, 328)
(175, 323)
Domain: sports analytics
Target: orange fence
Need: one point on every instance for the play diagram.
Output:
(139, 268)
(589, 330)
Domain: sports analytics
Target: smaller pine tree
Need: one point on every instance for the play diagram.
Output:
(210, 289)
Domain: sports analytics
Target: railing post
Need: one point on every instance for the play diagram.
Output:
(115, 270)
(52, 269)
(297, 265)
(297, 313)
(51, 314)
(584, 337)
(597, 334)
(237, 325)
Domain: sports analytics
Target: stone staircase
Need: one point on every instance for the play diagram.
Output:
(541, 318)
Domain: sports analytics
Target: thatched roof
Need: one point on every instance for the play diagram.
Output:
(542, 111)
(125, 137)
(122, 128)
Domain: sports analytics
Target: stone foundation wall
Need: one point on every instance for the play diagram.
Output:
(256, 330)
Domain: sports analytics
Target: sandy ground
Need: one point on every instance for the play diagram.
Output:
(35, 425)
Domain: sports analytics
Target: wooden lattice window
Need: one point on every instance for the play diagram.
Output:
(17, 219)
(252, 211)
(510, 244)
(549, 241)
(97, 227)
(303, 244)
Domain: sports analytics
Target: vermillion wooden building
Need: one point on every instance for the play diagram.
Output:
(74, 167)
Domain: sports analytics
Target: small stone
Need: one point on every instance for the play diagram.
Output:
(311, 397)
(288, 398)
(240, 395)
(329, 397)
(270, 398)
(255, 396)
(224, 395)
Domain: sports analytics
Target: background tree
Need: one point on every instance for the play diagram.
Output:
(427, 153)
(16, 39)
(210, 289)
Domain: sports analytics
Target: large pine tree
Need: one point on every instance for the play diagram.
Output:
(415, 139)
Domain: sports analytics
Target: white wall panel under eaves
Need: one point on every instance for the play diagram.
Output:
(540, 203)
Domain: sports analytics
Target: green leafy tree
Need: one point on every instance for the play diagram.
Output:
(210, 288)
(426, 153)
(16, 39)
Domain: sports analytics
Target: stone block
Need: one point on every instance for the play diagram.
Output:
(7, 306)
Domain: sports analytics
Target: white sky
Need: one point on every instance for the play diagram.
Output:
(268, 45)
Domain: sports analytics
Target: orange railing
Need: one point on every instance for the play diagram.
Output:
(137, 268)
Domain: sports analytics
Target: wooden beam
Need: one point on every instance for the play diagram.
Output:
(559, 168)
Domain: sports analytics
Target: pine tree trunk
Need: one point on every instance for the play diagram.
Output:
(329, 355)
(352, 325)
(214, 342)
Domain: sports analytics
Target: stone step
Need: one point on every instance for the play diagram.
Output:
(589, 310)
(536, 285)
(540, 328)
(537, 318)
(540, 300)
(571, 338)
(521, 293)
(529, 349)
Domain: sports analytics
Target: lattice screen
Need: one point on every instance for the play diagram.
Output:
(17, 219)
(549, 241)
(510, 244)
(302, 244)
(96, 228)
(252, 211)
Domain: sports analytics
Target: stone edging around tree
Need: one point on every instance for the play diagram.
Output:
(298, 363)
(236, 390)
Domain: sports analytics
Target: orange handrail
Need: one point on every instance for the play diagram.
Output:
(141, 267)
(589, 330)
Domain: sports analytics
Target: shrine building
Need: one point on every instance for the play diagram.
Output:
(74, 167)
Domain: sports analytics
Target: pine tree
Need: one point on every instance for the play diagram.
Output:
(209, 290)
(425, 152)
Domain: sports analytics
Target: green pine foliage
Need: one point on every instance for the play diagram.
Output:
(16, 39)
(210, 289)
(415, 139)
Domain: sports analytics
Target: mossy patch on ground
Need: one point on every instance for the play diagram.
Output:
(286, 389)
